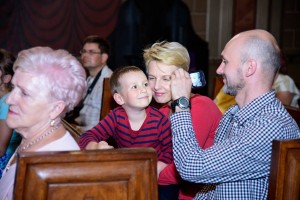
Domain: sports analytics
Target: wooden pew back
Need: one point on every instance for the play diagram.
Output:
(102, 174)
(284, 180)
(108, 102)
(294, 112)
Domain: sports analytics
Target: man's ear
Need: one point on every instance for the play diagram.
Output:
(7, 78)
(104, 57)
(57, 109)
(251, 67)
(118, 98)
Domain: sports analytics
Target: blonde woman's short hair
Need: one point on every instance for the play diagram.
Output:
(170, 53)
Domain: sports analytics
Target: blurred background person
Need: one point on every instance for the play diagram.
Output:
(46, 85)
(284, 86)
(94, 56)
(9, 140)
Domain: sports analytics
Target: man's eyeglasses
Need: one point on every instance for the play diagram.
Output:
(90, 52)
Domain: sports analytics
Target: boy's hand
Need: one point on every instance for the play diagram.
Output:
(100, 145)
(104, 145)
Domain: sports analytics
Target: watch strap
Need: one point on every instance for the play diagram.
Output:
(176, 103)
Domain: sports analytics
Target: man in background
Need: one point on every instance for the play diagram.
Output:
(94, 57)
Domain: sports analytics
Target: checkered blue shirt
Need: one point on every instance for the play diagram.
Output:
(237, 166)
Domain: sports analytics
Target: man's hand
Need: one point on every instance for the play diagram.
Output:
(181, 84)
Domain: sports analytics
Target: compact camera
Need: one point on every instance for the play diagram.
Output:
(198, 79)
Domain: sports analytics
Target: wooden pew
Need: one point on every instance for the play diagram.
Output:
(294, 112)
(108, 102)
(284, 182)
(100, 174)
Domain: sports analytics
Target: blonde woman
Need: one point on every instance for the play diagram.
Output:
(162, 59)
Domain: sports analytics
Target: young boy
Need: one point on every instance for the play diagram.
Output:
(134, 123)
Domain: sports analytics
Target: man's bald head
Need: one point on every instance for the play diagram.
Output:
(260, 46)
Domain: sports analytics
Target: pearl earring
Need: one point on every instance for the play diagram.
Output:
(52, 123)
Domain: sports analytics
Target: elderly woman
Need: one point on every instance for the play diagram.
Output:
(161, 60)
(47, 84)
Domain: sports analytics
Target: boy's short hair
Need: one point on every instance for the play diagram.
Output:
(114, 82)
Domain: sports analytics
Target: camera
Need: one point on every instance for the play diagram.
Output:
(198, 79)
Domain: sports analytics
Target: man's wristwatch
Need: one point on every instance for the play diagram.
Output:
(182, 102)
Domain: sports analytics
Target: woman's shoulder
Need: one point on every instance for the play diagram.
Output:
(201, 103)
(197, 98)
(4, 97)
(65, 143)
(3, 107)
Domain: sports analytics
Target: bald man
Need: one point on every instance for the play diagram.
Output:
(237, 166)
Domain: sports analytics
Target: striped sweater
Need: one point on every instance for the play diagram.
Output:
(155, 132)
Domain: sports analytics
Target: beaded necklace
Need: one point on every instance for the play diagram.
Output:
(13, 157)
(40, 138)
